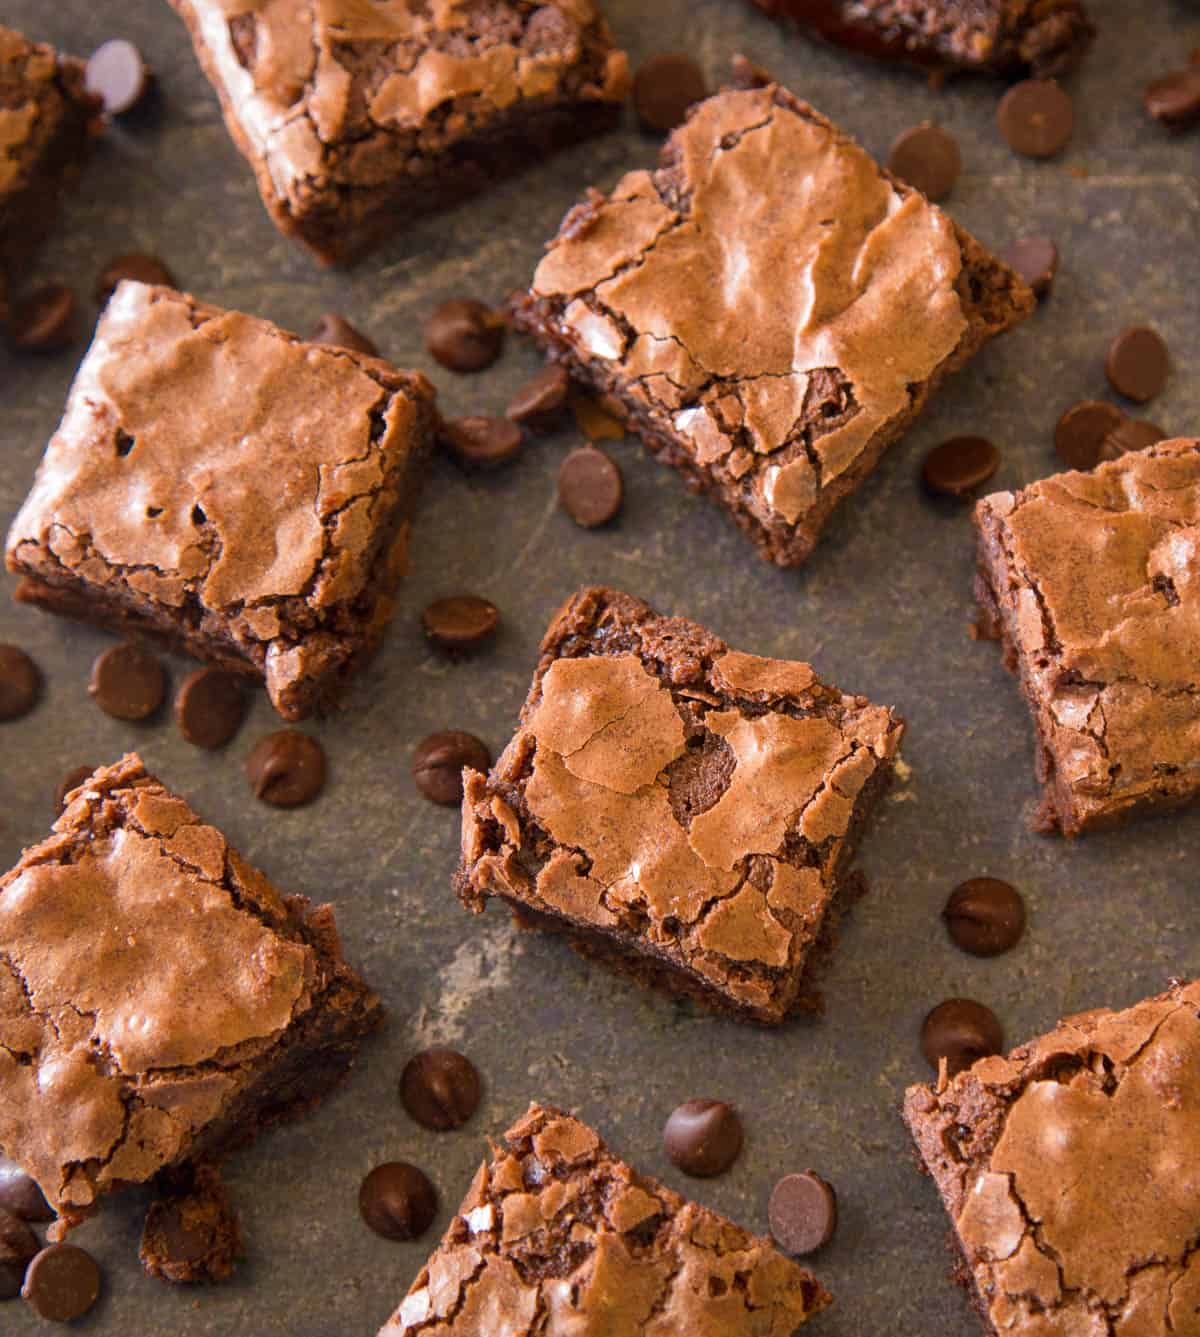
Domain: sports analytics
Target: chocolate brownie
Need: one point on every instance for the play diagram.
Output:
(1069, 1169)
(160, 1000)
(230, 488)
(1091, 580)
(1005, 37)
(558, 1236)
(357, 117)
(683, 812)
(192, 1233)
(769, 310)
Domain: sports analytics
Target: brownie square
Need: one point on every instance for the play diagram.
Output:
(557, 1228)
(768, 311)
(683, 812)
(1091, 580)
(230, 488)
(1069, 1169)
(160, 1000)
(357, 117)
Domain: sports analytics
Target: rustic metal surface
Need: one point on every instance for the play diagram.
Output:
(883, 609)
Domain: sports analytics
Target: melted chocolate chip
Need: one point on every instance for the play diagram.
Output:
(961, 1031)
(985, 916)
(397, 1201)
(210, 707)
(1036, 260)
(46, 321)
(128, 682)
(440, 1089)
(802, 1212)
(461, 622)
(62, 1283)
(439, 760)
(1036, 118)
(1081, 432)
(286, 769)
(136, 266)
(927, 158)
(590, 487)
(481, 442)
(20, 683)
(960, 466)
(703, 1137)
(118, 76)
(1138, 365)
(664, 87)
(539, 404)
(335, 332)
(465, 335)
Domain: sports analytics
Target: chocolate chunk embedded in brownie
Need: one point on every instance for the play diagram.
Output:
(556, 1235)
(357, 117)
(160, 1000)
(230, 488)
(1093, 582)
(1069, 1170)
(191, 1232)
(769, 309)
(683, 812)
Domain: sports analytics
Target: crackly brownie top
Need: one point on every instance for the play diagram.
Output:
(558, 1237)
(1107, 566)
(769, 290)
(1072, 1171)
(36, 85)
(304, 75)
(141, 962)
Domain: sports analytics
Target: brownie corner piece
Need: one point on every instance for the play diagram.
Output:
(769, 309)
(1068, 1171)
(160, 1000)
(359, 117)
(556, 1227)
(682, 812)
(222, 485)
(1090, 579)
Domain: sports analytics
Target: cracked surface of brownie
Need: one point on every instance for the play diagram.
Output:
(769, 309)
(1093, 581)
(359, 114)
(160, 1001)
(682, 810)
(558, 1237)
(225, 485)
(1070, 1171)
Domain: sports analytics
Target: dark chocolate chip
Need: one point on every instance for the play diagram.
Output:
(1174, 100)
(439, 760)
(440, 1089)
(1138, 365)
(20, 1195)
(746, 73)
(1036, 260)
(539, 404)
(590, 487)
(18, 1244)
(339, 333)
(985, 916)
(461, 622)
(72, 780)
(595, 420)
(62, 1283)
(20, 683)
(209, 707)
(481, 442)
(118, 76)
(928, 158)
(397, 1201)
(1081, 432)
(46, 321)
(138, 267)
(664, 87)
(128, 682)
(1131, 435)
(959, 466)
(464, 335)
(962, 1032)
(286, 769)
(1036, 118)
(802, 1213)
(703, 1137)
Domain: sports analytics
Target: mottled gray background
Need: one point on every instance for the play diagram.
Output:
(882, 609)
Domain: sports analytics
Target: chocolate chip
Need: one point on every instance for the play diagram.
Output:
(461, 622)
(594, 420)
(118, 76)
(209, 707)
(62, 1283)
(1036, 118)
(286, 769)
(128, 683)
(703, 1137)
(18, 1244)
(664, 87)
(927, 158)
(959, 466)
(1081, 432)
(20, 1195)
(138, 267)
(438, 763)
(1130, 435)
(1174, 100)
(746, 73)
(464, 335)
(397, 1201)
(985, 916)
(1137, 365)
(339, 333)
(481, 442)
(72, 780)
(440, 1089)
(20, 683)
(1036, 260)
(802, 1212)
(46, 321)
(191, 1232)
(539, 404)
(590, 488)
(962, 1032)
